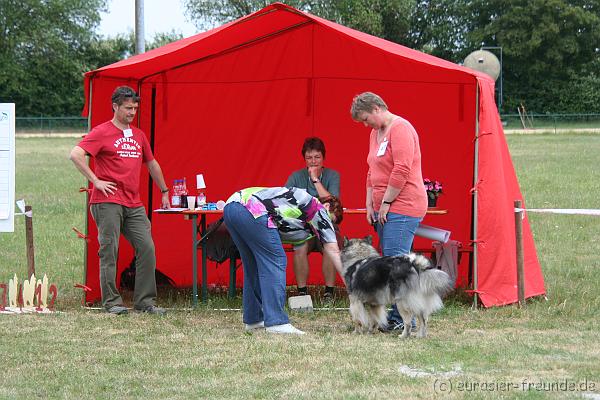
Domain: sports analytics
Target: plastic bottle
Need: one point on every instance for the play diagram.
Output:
(184, 193)
(176, 197)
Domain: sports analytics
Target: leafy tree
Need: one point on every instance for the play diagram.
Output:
(104, 51)
(41, 49)
(47, 45)
(162, 38)
(547, 46)
(207, 14)
(439, 27)
(389, 19)
(550, 47)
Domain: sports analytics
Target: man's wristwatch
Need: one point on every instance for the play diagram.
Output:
(387, 202)
(165, 191)
(315, 180)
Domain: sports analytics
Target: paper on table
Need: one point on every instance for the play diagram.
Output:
(170, 210)
(430, 232)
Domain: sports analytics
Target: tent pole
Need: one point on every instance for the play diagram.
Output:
(139, 125)
(475, 180)
(139, 91)
(87, 193)
(152, 132)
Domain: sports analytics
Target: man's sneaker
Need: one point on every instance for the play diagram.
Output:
(254, 326)
(328, 299)
(393, 327)
(117, 310)
(285, 328)
(398, 327)
(151, 310)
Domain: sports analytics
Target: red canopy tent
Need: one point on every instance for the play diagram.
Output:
(235, 104)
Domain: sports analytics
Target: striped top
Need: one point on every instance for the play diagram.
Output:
(296, 214)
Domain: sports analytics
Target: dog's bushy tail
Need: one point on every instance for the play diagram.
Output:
(435, 281)
(432, 280)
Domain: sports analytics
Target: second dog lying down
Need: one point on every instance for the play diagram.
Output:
(373, 282)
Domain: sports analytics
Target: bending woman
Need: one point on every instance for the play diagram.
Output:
(259, 221)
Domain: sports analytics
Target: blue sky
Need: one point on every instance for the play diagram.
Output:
(159, 16)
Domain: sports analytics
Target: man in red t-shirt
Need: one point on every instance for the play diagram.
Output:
(119, 150)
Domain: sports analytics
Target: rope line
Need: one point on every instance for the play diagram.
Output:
(572, 211)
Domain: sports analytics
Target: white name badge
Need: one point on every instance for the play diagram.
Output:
(127, 132)
(382, 148)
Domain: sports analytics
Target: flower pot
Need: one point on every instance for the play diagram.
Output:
(431, 202)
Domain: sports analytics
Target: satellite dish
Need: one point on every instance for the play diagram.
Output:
(484, 61)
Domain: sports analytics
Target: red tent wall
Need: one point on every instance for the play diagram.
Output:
(240, 110)
(497, 189)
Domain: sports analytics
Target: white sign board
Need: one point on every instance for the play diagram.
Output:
(7, 167)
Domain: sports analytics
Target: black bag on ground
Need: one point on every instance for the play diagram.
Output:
(219, 244)
(128, 277)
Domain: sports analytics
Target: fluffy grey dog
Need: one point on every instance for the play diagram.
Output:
(373, 282)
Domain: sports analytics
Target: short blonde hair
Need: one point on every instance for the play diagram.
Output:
(366, 102)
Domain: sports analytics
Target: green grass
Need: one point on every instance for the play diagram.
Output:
(205, 353)
(561, 172)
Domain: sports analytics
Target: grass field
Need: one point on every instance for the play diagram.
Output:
(546, 350)
(553, 121)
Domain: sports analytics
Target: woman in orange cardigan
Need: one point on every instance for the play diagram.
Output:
(396, 199)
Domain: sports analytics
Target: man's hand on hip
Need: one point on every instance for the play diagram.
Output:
(105, 187)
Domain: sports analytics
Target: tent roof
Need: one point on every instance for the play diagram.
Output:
(271, 20)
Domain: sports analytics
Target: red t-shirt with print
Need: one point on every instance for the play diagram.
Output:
(117, 159)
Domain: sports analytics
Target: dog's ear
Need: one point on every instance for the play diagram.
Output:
(346, 241)
(369, 239)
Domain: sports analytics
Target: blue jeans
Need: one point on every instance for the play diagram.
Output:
(396, 238)
(264, 264)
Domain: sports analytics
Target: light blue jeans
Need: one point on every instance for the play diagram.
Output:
(396, 238)
(264, 264)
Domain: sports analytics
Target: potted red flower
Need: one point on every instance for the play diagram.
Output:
(434, 189)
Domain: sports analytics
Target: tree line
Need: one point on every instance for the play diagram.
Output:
(47, 45)
(550, 48)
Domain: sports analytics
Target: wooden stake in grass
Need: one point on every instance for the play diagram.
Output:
(520, 257)
(29, 241)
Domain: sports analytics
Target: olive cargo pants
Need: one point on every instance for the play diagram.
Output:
(113, 219)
